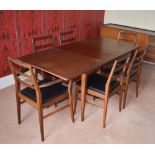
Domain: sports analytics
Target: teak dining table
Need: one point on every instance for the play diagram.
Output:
(74, 61)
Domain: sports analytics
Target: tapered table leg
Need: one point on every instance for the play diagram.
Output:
(83, 94)
(71, 99)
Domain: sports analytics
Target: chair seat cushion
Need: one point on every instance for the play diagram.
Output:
(48, 93)
(97, 83)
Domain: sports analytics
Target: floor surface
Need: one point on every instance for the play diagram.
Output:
(135, 124)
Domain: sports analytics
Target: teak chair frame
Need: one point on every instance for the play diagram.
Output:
(21, 98)
(118, 90)
(135, 64)
(47, 43)
(64, 41)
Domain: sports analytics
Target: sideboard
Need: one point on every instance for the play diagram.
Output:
(145, 38)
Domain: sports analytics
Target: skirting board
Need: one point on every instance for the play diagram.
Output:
(6, 81)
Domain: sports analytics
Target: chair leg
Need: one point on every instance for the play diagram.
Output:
(83, 95)
(121, 95)
(18, 109)
(105, 111)
(125, 96)
(40, 114)
(137, 86)
(138, 80)
(120, 101)
(75, 99)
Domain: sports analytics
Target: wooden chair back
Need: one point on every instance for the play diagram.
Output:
(118, 70)
(122, 64)
(42, 42)
(24, 79)
(127, 36)
(131, 63)
(67, 38)
(140, 57)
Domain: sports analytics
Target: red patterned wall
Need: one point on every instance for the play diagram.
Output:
(8, 43)
(88, 24)
(54, 23)
(72, 21)
(17, 28)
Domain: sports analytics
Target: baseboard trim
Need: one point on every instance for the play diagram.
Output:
(6, 81)
(152, 63)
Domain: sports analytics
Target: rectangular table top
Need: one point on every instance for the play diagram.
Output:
(70, 61)
(101, 48)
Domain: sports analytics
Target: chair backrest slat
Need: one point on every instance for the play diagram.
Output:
(42, 42)
(67, 38)
(43, 47)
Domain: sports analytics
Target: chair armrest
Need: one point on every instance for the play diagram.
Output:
(50, 83)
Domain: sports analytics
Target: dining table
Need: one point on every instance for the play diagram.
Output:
(77, 60)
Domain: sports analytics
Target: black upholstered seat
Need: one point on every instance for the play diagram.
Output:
(48, 93)
(97, 83)
(133, 73)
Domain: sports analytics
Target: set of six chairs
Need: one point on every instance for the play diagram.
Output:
(41, 90)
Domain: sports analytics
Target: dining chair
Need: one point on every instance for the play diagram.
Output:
(42, 42)
(37, 94)
(103, 87)
(39, 44)
(127, 36)
(133, 73)
(67, 38)
(124, 36)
